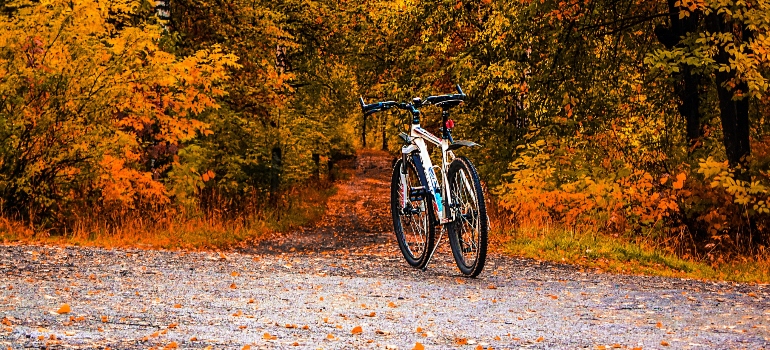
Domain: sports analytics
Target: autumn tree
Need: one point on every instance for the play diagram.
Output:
(82, 84)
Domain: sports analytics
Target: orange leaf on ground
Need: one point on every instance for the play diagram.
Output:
(330, 336)
(267, 336)
(664, 343)
(171, 345)
(64, 309)
(177, 306)
(418, 346)
(461, 341)
(539, 339)
(391, 304)
(357, 330)
(246, 347)
(233, 286)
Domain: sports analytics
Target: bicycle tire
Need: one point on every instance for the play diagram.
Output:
(469, 230)
(417, 239)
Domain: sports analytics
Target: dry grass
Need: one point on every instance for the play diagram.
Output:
(183, 230)
(622, 255)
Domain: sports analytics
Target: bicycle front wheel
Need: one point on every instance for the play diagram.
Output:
(468, 231)
(413, 215)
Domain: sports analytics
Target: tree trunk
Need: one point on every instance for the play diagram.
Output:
(363, 133)
(384, 139)
(276, 167)
(734, 112)
(689, 91)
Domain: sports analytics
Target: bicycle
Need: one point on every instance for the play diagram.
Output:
(420, 202)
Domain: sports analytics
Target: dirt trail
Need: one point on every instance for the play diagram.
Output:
(344, 285)
(356, 219)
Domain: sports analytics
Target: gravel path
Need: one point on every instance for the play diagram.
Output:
(315, 287)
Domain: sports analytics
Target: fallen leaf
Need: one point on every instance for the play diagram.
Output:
(753, 295)
(491, 286)
(171, 345)
(305, 327)
(177, 306)
(418, 346)
(233, 286)
(330, 336)
(461, 341)
(659, 325)
(616, 346)
(479, 347)
(172, 326)
(235, 274)
(372, 314)
(664, 343)
(242, 327)
(251, 301)
(246, 347)
(539, 340)
(105, 319)
(391, 304)
(267, 336)
(357, 330)
(194, 339)
(64, 309)
(419, 330)
(459, 281)
(295, 344)
(497, 337)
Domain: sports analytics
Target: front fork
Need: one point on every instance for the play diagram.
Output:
(428, 180)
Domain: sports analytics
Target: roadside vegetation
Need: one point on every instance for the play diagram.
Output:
(640, 124)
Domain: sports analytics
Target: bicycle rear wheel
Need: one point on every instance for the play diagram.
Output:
(413, 215)
(468, 231)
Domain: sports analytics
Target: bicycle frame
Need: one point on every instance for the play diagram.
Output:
(428, 177)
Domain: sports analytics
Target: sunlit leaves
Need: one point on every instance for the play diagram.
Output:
(91, 89)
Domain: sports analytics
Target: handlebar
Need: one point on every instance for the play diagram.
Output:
(443, 101)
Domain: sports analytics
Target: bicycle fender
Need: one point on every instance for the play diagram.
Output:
(462, 143)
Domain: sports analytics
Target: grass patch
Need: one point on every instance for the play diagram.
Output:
(620, 255)
(299, 206)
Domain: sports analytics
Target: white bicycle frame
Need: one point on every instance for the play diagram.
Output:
(440, 193)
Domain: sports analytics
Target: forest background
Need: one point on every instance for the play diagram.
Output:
(200, 122)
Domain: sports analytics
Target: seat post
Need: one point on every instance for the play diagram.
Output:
(445, 132)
